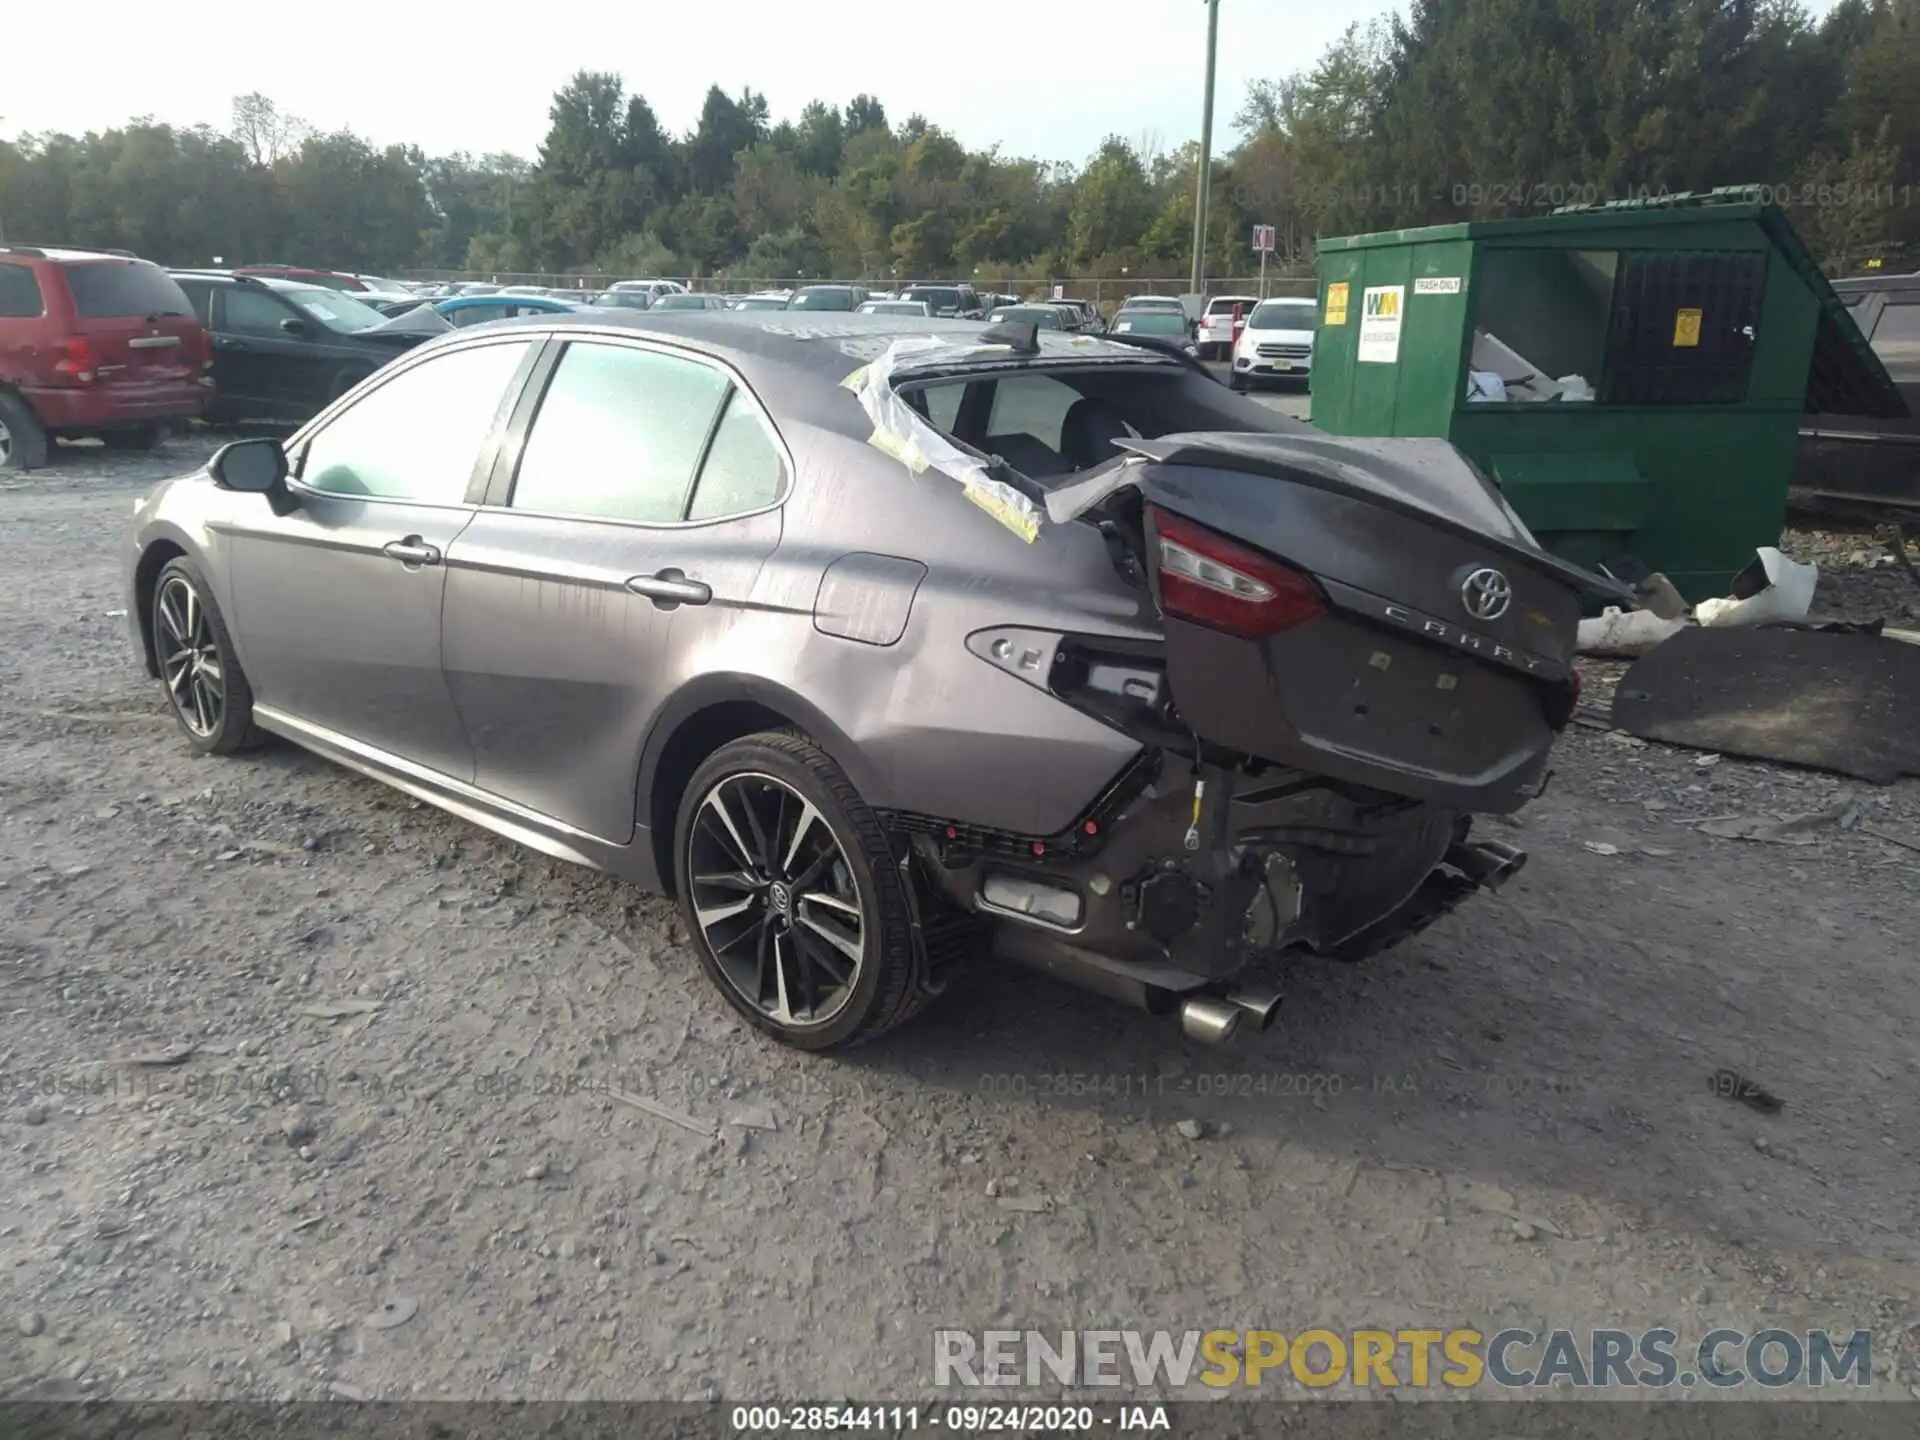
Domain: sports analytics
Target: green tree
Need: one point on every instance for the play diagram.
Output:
(864, 112)
(727, 126)
(1111, 202)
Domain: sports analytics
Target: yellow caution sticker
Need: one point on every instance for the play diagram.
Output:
(1025, 526)
(1337, 303)
(854, 381)
(1686, 327)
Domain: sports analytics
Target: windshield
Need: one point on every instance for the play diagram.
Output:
(763, 302)
(1154, 302)
(1151, 322)
(1030, 314)
(1284, 315)
(625, 299)
(681, 302)
(1225, 304)
(939, 299)
(822, 300)
(333, 309)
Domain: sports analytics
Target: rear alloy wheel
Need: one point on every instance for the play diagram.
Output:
(23, 444)
(198, 666)
(788, 884)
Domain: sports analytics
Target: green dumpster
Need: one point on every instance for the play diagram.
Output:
(1632, 375)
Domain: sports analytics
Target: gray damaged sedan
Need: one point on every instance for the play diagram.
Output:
(880, 642)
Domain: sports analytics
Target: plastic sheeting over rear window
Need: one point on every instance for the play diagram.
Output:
(905, 434)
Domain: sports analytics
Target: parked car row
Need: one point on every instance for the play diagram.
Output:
(101, 343)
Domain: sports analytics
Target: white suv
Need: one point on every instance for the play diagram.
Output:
(1277, 342)
(1216, 334)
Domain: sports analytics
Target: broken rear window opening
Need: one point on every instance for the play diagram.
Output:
(1052, 421)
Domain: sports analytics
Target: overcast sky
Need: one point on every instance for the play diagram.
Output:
(1045, 78)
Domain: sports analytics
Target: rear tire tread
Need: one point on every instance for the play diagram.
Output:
(903, 991)
(31, 446)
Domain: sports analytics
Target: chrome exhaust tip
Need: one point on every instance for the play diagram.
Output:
(1262, 1007)
(1210, 1021)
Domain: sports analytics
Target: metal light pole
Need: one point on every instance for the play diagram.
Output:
(1205, 179)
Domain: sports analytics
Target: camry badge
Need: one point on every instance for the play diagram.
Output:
(1486, 594)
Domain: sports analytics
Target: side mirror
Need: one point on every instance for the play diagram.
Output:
(254, 467)
(293, 326)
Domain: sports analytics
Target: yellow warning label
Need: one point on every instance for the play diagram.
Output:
(1686, 327)
(1337, 303)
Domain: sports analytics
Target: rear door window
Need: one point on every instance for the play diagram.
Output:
(247, 311)
(1896, 339)
(743, 470)
(199, 294)
(464, 315)
(122, 289)
(618, 434)
(19, 293)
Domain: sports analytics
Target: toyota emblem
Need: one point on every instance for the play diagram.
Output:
(1486, 594)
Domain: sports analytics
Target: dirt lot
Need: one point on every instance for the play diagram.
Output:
(1506, 1121)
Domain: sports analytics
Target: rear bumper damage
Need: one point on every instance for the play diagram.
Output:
(1182, 892)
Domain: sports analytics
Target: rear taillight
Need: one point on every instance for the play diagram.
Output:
(1209, 580)
(77, 361)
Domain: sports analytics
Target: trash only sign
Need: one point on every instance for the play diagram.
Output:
(1381, 309)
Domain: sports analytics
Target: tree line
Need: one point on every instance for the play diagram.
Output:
(1459, 109)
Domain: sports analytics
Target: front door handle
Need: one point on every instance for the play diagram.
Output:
(411, 551)
(670, 588)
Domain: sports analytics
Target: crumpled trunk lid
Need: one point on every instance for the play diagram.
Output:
(1439, 662)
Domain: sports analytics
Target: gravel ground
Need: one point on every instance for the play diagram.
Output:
(285, 1056)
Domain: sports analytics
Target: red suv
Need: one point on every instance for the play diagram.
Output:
(94, 342)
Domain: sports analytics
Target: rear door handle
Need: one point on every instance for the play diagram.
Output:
(411, 551)
(670, 588)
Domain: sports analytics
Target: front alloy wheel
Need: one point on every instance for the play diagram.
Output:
(189, 660)
(793, 895)
(198, 664)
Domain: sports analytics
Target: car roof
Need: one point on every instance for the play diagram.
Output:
(269, 282)
(63, 255)
(797, 363)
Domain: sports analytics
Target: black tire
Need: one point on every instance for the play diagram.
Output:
(142, 437)
(1237, 382)
(884, 987)
(185, 683)
(23, 441)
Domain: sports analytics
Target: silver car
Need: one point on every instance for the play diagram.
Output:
(878, 641)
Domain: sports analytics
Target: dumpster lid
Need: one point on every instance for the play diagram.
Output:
(1845, 376)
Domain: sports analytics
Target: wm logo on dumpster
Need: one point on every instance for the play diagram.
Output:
(1383, 304)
